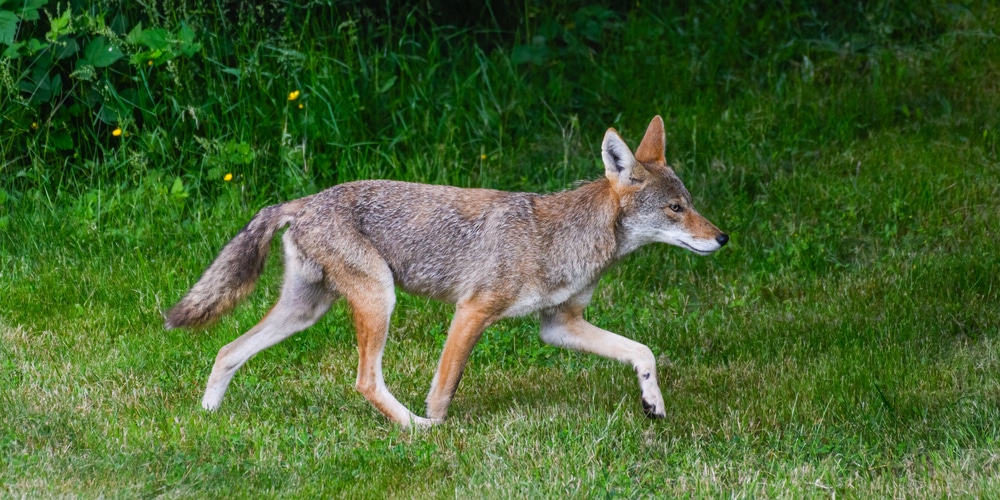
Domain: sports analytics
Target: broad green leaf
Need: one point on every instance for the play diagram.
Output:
(35, 45)
(8, 27)
(60, 139)
(177, 190)
(65, 47)
(39, 85)
(156, 39)
(100, 53)
(28, 9)
(14, 51)
(109, 113)
(59, 26)
(146, 57)
(29, 15)
(56, 84)
(530, 54)
(185, 36)
(238, 153)
(133, 36)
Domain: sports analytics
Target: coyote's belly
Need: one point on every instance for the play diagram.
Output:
(535, 300)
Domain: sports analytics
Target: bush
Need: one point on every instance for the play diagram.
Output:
(108, 92)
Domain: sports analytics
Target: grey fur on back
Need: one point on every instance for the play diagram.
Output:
(448, 243)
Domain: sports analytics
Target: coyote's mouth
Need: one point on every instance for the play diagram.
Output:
(696, 250)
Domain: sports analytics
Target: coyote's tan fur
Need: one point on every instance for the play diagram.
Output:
(494, 254)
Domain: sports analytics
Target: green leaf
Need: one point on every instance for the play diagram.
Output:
(29, 15)
(59, 26)
(39, 85)
(56, 81)
(109, 113)
(238, 153)
(177, 190)
(156, 39)
(529, 54)
(60, 139)
(35, 45)
(185, 36)
(132, 37)
(100, 53)
(28, 9)
(65, 47)
(387, 85)
(8, 27)
(14, 51)
(144, 58)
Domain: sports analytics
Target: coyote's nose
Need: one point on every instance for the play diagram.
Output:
(722, 239)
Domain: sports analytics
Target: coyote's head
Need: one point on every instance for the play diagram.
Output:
(655, 206)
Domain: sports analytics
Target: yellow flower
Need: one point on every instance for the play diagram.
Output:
(150, 63)
(301, 105)
(117, 132)
(293, 95)
(34, 126)
(228, 177)
(482, 156)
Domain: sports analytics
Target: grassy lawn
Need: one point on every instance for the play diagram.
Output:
(845, 343)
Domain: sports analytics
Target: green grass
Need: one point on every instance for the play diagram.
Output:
(846, 343)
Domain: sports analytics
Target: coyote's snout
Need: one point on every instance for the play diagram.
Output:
(493, 254)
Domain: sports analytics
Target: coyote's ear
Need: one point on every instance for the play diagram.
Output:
(620, 166)
(651, 148)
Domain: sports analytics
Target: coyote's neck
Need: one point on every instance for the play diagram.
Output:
(579, 226)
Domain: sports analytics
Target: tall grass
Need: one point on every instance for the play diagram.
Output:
(844, 343)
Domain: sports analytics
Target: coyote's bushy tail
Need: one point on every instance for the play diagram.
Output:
(235, 271)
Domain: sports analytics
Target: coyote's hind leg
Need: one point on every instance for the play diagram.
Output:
(304, 299)
(466, 328)
(371, 295)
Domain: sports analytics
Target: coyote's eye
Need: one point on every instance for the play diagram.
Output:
(676, 208)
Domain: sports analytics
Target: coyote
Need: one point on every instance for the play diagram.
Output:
(493, 254)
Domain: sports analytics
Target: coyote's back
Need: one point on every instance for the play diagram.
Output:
(450, 243)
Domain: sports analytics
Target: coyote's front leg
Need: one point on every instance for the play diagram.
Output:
(471, 318)
(565, 327)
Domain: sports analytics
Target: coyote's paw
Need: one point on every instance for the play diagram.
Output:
(211, 403)
(652, 398)
(652, 410)
(424, 423)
